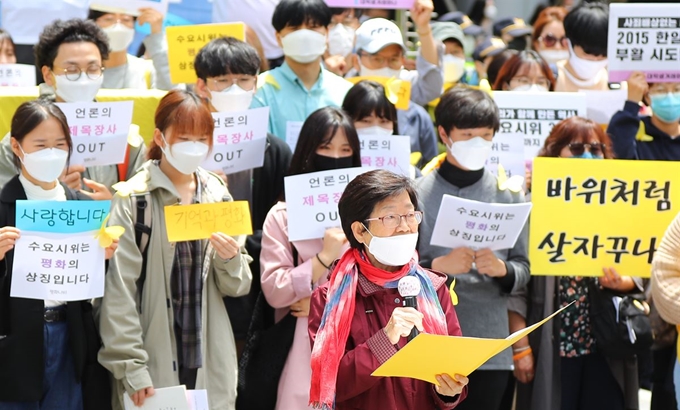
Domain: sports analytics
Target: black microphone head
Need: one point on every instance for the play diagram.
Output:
(409, 286)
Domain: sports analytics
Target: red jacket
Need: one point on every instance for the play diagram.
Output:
(368, 347)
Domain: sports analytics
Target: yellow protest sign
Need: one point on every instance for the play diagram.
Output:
(398, 91)
(438, 354)
(184, 42)
(199, 221)
(591, 214)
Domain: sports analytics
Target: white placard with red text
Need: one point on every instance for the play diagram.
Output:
(390, 152)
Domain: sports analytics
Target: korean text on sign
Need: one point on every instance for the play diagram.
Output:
(61, 216)
(200, 221)
(239, 140)
(644, 37)
(390, 152)
(17, 75)
(312, 201)
(99, 131)
(508, 151)
(478, 225)
(593, 214)
(531, 118)
(184, 42)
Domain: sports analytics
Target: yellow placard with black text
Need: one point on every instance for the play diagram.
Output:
(397, 91)
(591, 214)
(184, 42)
(200, 221)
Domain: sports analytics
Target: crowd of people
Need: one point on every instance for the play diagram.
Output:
(184, 313)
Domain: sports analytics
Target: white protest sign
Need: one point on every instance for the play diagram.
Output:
(293, 133)
(390, 152)
(166, 398)
(644, 37)
(239, 140)
(99, 131)
(602, 105)
(478, 225)
(507, 150)
(531, 115)
(17, 75)
(198, 399)
(129, 6)
(312, 201)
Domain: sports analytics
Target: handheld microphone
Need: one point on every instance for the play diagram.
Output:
(409, 288)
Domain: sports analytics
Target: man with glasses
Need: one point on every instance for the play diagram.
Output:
(70, 56)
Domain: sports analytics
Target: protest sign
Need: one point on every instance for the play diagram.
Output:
(591, 214)
(184, 42)
(644, 37)
(166, 398)
(397, 91)
(312, 201)
(60, 255)
(293, 133)
(508, 151)
(478, 225)
(129, 6)
(99, 131)
(371, 4)
(602, 105)
(239, 140)
(17, 75)
(390, 152)
(531, 116)
(200, 221)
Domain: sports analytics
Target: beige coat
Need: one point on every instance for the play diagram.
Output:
(139, 349)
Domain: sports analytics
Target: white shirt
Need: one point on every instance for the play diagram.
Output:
(26, 19)
(255, 13)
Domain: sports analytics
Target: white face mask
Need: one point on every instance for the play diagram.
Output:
(530, 87)
(374, 130)
(381, 72)
(45, 165)
(454, 68)
(185, 156)
(120, 36)
(471, 154)
(394, 250)
(585, 69)
(83, 89)
(233, 98)
(553, 56)
(340, 40)
(304, 46)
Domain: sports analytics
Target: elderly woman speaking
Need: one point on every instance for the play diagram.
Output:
(357, 321)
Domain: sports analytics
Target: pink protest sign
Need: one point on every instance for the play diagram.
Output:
(372, 4)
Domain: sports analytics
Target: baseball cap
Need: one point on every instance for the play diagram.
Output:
(444, 31)
(512, 25)
(374, 34)
(460, 18)
(489, 47)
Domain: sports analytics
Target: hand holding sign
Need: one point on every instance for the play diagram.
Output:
(8, 236)
(151, 16)
(458, 261)
(450, 386)
(488, 264)
(637, 86)
(225, 246)
(421, 14)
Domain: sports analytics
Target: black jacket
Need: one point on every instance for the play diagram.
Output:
(21, 322)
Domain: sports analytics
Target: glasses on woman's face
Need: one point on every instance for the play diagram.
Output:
(550, 40)
(392, 221)
(525, 80)
(578, 148)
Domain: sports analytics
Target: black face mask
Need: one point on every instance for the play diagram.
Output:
(324, 163)
(518, 43)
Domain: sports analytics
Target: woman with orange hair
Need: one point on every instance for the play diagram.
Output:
(548, 37)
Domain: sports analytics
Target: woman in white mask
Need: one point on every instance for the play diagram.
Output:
(358, 320)
(548, 37)
(124, 70)
(526, 71)
(586, 30)
(163, 320)
(292, 270)
(43, 342)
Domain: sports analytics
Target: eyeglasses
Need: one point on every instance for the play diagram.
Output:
(549, 40)
(111, 19)
(380, 61)
(394, 220)
(74, 72)
(247, 83)
(578, 148)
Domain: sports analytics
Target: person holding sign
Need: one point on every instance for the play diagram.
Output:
(586, 30)
(300, 85)
(46, 346)
(526, 71)
(654, 137)
(123, 70)
(292, 270)
(70, 55)
(466, 121)
(569, 372)
(7, 55)
(356, 320)
(163, 322)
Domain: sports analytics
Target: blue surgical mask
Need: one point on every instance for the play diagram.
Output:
(588, 155)
(666, 107)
